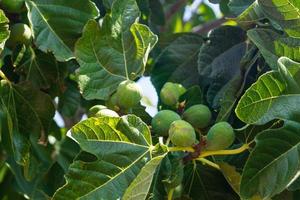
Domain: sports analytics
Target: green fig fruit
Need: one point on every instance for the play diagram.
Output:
(171, 92)
(178, 191)
(182, 133)
(112, 102)
(220, 136)
(106, 113)
(93, 110)
(198, 115)
(162, 120)
(13, 6)
(20, 34)
(128, 94)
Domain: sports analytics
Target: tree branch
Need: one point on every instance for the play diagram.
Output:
(174, 8)
(205, 28)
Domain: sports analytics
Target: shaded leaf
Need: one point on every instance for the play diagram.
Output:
(206, 183)
(238, 6)
(273, 45)
(284, 12)
(274, 160)
(178, 62)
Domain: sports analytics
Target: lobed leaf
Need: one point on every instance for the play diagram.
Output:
(115, 160)
(115, 51)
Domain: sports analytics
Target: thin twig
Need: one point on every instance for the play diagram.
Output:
(205, 28)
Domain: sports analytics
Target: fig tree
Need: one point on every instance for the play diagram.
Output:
(20, 34)
(13, 6)
(198, 115)
(171, 92)
(162, 120)
(182, 133)
(128, 94)
(220, 136)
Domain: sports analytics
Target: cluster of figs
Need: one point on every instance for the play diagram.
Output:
(20, 33)
(127, 96)
(181, 129)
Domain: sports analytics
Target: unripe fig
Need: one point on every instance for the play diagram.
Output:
(106, 113)
(128, 94)
(178, 191)
(198, 115)
(93, 110)
(171, 92)
(162, 120)
(182, 133)
(13, 6)
(112, 103)
(220, 136)
(20, 34)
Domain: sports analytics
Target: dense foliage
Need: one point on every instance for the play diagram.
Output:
(228, 125)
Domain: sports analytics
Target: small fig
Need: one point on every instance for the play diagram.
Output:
(128, 94)
(220, 136)
(93, 110)
(106, 113)
(198, 115)
(20, 34)
(112, 103)
(182, 133)
(13, 6)
(162, 120)
(178, 191)
(171, 92)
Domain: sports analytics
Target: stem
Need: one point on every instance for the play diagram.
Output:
(189, 149)
(224, 152)
(168, 142)
(170, 194)
(2, 75)
(210, 163)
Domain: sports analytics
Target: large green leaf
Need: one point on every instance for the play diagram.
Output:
(273, 163)
(115, 159)
(114, 51)
(276, 94)
(4, 32)
(286, 13)
(178, 62)
(57, 24)
(273, 45)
